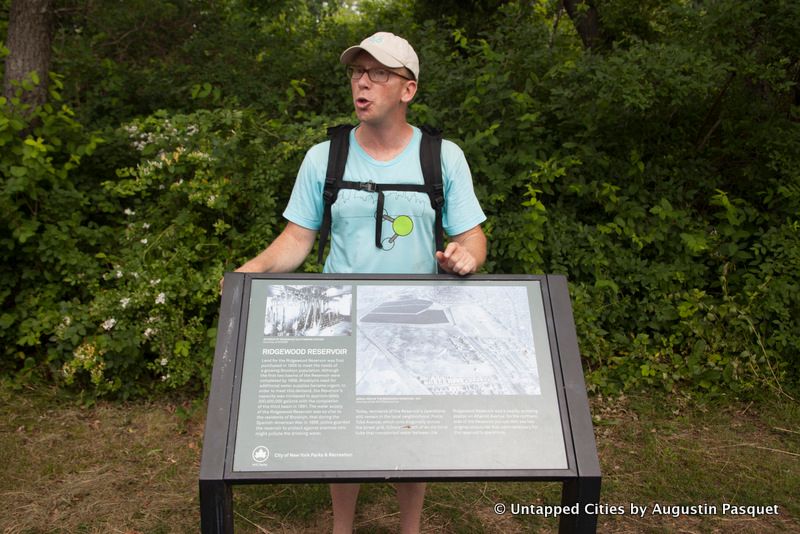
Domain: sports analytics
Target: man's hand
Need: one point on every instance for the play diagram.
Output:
(456, 259)
(465, 254)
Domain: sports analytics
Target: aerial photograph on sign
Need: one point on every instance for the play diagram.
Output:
(308, 310)
(445, 340)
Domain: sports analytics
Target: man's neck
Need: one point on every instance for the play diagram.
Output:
(384, 143)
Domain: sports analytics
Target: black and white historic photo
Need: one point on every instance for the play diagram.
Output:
(308, 310)
(445, 340)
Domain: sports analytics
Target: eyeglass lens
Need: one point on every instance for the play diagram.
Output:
(376, 75)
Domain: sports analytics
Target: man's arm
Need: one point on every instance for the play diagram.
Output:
(285, 254)
(465, 253)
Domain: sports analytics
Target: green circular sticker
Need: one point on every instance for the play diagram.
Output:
(403, 225)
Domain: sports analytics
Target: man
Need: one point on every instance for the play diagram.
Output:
(384, 148)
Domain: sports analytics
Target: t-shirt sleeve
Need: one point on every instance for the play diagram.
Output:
(462, 211)
(305, 206)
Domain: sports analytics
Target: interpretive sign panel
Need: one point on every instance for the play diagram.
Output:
(358, 378)
(397, 375)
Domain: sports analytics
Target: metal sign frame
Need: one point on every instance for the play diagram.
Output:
(581, 479)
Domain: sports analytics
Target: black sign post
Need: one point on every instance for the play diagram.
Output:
(447, 378)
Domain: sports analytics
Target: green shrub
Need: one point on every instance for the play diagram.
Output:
(50, 219)
(659, 174)
(204, 195)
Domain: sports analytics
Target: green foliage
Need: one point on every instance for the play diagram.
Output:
(652, 175)
(122, 291)
(44, 208)
(200, 181)
(659, 174)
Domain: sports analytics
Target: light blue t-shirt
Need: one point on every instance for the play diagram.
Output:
(408, 241)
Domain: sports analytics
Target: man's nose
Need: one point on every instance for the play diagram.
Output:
(364, 81)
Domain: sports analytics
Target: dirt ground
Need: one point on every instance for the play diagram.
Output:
(133, 468)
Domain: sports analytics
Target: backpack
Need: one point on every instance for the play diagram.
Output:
(430, 161)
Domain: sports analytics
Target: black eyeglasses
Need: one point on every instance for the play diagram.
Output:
(377, 74)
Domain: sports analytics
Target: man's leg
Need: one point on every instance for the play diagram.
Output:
(344, 497)
(410, 497)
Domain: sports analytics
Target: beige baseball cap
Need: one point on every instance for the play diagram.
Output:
(389, 49)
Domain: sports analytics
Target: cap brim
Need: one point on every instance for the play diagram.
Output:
(349, 55)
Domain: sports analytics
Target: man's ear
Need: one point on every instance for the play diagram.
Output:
(409, 91)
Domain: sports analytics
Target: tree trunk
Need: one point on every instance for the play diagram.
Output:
(29, 43)
(587, 22)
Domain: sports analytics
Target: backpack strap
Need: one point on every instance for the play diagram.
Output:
(430, 157)
(337, 159)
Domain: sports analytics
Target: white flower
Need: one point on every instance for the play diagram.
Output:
(155, 282)
(124, 302)
(108, 324)
(161, 298)
(144, 241)
(149, 333)
(165, 377)
(129, 212)
(119, 274)
(164, 361)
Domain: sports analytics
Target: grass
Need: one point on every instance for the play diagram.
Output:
(132, 468)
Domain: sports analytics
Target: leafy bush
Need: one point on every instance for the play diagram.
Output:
(124, 288)
(622, 171)
(47, 223)
(659, 174)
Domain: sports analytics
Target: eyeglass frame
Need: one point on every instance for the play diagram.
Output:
(351, 70)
